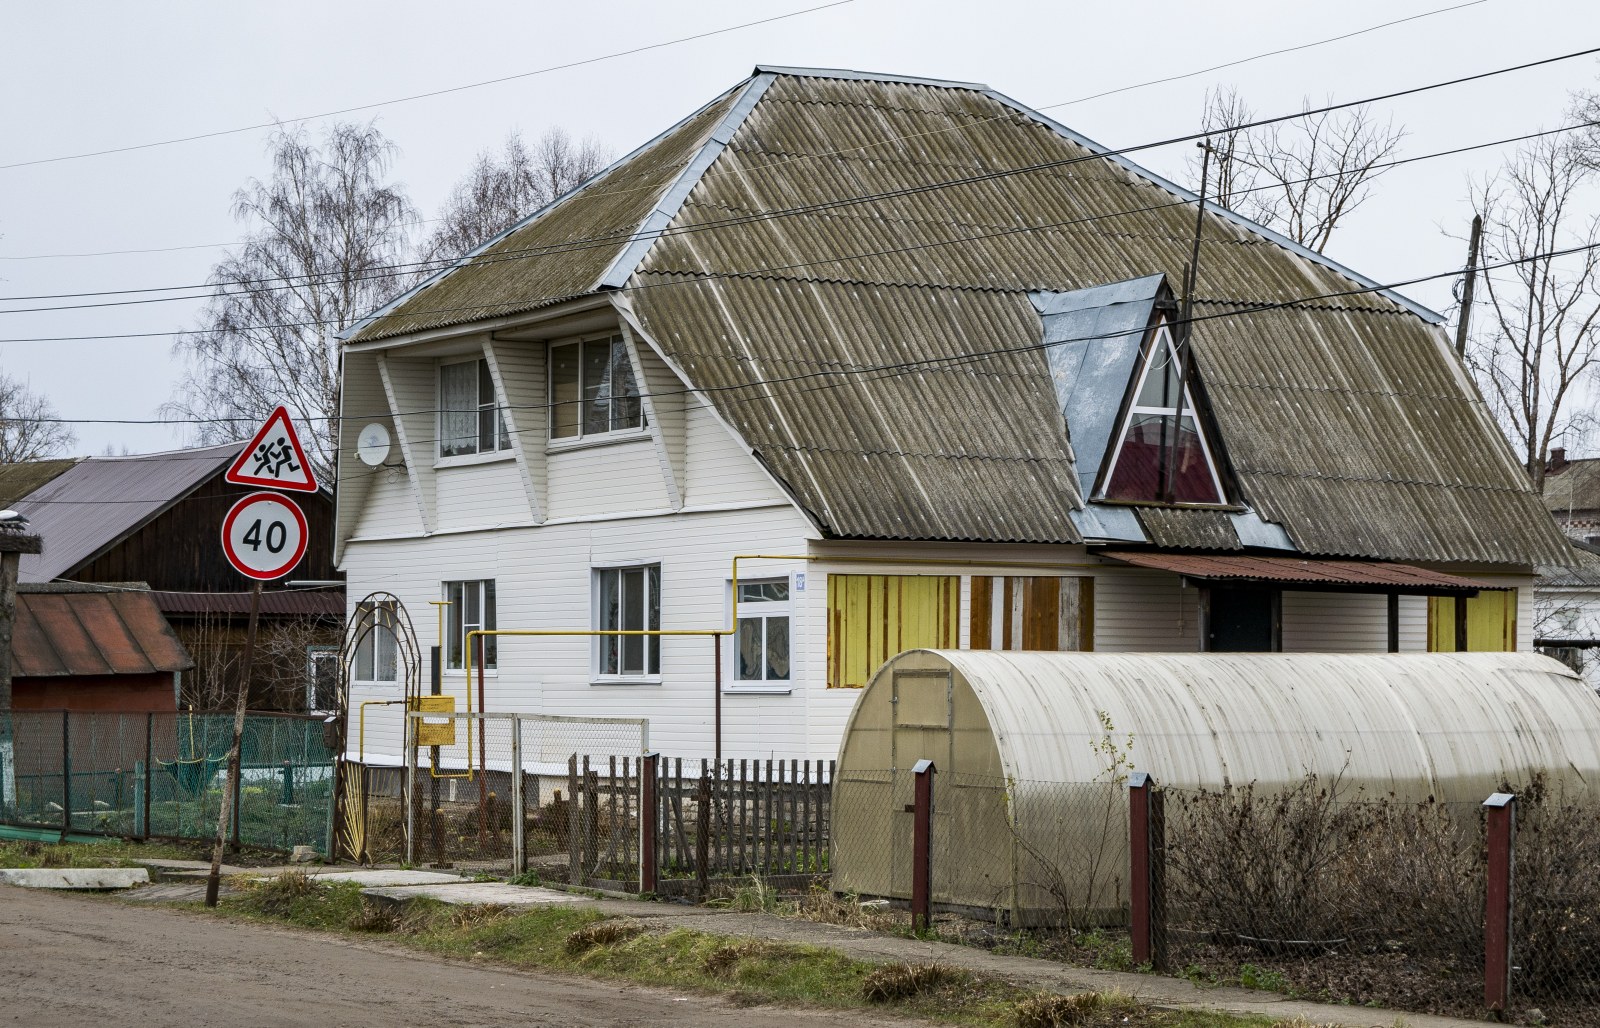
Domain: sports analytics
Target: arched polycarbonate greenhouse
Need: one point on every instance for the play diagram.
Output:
(1032, 751)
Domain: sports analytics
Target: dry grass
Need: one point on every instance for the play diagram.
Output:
(893, 983)
(823, 907)
(722, 961)
(279, 895)
(375, 917)
(602, 933)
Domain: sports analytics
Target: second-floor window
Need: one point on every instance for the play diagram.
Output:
(469, 419)
(592, 389)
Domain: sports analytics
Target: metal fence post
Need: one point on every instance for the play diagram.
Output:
(1147, 850)
(1501, 824)
(519, 821)
(649, 818)
(149, 771)
(66, 773)
(574, 823)
(702, 833)
(407, 792)
(922, 845)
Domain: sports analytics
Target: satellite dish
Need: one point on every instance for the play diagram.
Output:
(372, 445)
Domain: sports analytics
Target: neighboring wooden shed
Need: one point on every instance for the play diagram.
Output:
(1029, 774)
(102, 648)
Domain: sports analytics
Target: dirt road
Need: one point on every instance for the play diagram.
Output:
(73, 961)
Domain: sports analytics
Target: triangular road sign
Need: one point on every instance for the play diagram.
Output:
(274, 459)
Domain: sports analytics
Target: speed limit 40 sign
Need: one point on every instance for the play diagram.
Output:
(264, 536)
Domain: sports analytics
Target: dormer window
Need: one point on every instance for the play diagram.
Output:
(1161, 454)
(592, 389)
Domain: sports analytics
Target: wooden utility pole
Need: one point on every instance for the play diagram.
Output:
(214, 880)
(1466, 288)
(13, 544)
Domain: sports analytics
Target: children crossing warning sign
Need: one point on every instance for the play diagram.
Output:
(274, 459)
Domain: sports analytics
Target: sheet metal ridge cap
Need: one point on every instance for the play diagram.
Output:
(850, 74)
(1426, 314)
(363, 323)
(671, 201)
(1050, 302)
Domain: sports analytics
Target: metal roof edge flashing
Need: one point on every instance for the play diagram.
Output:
(850, 74)
(1425, 313)
(524, 222)
(671, 201)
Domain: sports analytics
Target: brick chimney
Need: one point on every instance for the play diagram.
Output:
(1558, 460)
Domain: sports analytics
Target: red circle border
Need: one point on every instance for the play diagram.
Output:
(233, 515)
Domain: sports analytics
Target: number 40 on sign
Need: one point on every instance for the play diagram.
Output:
(264, 536)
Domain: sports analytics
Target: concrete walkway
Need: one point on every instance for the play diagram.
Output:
(868, 945)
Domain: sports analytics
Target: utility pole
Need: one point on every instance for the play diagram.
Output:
(1466, 288)
(14, 542)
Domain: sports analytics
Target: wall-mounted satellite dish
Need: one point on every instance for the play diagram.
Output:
(372, 445)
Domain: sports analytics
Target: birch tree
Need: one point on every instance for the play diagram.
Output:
(1302, 177)
(28, 430)
(328, 237)
(503, 188)
(1535, 348)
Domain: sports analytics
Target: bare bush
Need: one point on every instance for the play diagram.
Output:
(892, 983)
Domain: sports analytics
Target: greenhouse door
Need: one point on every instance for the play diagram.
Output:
(921, 732)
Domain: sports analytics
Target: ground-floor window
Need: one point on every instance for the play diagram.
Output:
(628, 599)
(471, 609)
(761, 640)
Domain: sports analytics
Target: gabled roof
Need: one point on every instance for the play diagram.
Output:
(92, 630)
(1575, 486)
(99, 500)
(844, 263)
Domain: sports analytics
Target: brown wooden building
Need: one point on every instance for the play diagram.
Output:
(155, 520)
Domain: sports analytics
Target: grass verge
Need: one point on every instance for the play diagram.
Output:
(111, 853)
(745, 971)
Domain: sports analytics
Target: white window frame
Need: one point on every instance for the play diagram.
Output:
(369, 640)
(314, 655)
(745, 610)
(1163, 339)
(584, 438)
(652, 643)
(454, 615)
(502, 436)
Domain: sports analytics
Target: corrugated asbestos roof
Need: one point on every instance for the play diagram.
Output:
(101, 499)
(1576, 487)
(92, 632)
(1346, 420)
(18, 480)
(1378, 577)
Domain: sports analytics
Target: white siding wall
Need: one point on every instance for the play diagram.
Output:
(390, 508)
(602, 480)
(718, 469)
(481, 495)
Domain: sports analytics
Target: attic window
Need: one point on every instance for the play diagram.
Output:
(1160, 433)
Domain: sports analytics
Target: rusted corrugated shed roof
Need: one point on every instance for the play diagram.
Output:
(1379, 577)
(101, 499)
(893, 230)
(95, 632)
(18, 480)
(274, 603)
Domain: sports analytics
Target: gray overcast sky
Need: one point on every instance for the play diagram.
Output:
(89, 76)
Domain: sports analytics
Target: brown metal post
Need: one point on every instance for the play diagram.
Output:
(922, 845)
(1501, 825)
(649, 819)
(149, 767)
(1139, 789)
(214, 879)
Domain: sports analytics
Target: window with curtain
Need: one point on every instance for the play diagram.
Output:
(470, 420)
(375, 658)
(592, 389)
(761, 634)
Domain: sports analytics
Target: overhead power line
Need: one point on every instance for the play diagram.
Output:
(613, 238)
(1064, 103)
(1242, 309)
(423, 96)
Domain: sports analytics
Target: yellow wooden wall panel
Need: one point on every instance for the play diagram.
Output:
(873, 617)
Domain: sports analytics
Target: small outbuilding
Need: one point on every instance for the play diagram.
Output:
(1033, 749)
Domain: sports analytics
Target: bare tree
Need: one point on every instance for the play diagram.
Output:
(1300, 177)
(1537, 351)
(503, 188)
(327, 232)
(28, 430)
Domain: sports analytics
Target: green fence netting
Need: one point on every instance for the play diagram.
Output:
(162, 775)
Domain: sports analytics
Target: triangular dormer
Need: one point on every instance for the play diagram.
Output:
(1161, 453)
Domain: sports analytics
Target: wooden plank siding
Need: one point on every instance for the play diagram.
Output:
(1032, 612)
(873, 617)
(1491, 622)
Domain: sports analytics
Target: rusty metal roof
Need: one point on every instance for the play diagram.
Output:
(845, 266)
(1312, 574)
(92, 631)
(327, 603)
(99, 500)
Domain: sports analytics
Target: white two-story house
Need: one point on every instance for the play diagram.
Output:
(920, 361)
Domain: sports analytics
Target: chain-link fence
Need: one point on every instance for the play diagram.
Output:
(162, 775)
